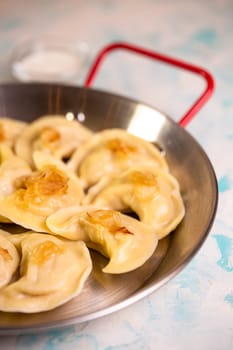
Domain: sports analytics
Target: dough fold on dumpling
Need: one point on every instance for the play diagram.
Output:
(127, 242)
(9, 259)
(11, 167)
(52, 271)
(65, 222)
(41, 193)
(10, 129)
(54, 134)
(112, 151)
(154, 195)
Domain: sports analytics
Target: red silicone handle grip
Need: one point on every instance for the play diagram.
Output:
(162, 58)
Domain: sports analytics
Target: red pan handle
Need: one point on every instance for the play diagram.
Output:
(163, 58)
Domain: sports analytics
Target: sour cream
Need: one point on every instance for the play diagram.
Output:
(44, 65)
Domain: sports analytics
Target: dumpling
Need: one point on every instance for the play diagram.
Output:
(112, 151)
(127, 242)
(11, 167)
(151, 193)
(41, 193)
(52, 271)
(10, 129)
(55, 134)
(9, 259)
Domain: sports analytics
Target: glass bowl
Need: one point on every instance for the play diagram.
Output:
(49, 60)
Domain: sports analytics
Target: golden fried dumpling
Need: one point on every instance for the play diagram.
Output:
(9, 259)
(111, 151)
(52, 271)
(55, 134)
(40, 193)
(10, 129)
(151, 193)
(127, 242)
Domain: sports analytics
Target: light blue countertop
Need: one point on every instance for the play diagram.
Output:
(195, 309)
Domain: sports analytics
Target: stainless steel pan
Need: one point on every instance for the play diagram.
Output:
(104, 294)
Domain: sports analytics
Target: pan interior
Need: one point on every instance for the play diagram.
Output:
(188, 162)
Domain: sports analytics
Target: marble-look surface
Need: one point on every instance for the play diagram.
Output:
(195, 309)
